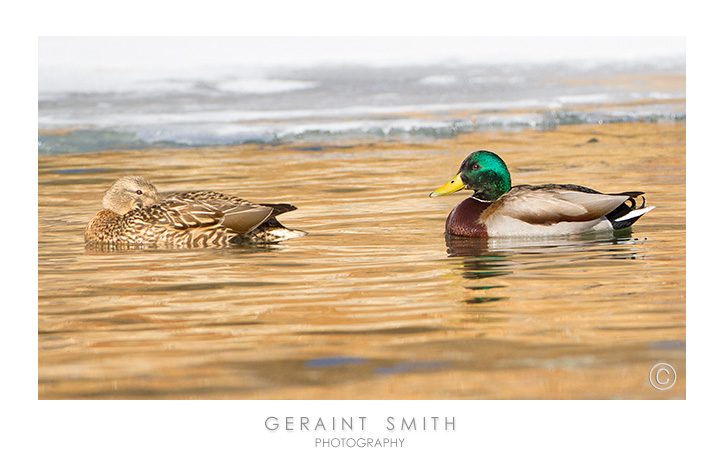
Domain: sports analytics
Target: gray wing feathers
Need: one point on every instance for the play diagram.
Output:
(245, 219)
(549, 206)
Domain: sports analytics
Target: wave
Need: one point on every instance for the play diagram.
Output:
(224, 134)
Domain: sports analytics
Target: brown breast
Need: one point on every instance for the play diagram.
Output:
(103, 227)
(464, 219)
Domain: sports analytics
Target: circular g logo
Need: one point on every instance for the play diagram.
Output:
(662, 376)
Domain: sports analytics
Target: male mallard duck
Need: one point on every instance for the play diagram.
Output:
(135, 213)
(498, 210)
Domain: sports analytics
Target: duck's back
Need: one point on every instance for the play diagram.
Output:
(186, 219)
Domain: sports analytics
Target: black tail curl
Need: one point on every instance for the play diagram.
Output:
(628, 206)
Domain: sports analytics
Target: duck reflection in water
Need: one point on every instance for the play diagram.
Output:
(491, 260)
(477, 263)
(460, 246)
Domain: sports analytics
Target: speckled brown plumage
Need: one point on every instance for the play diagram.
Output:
(135, 214)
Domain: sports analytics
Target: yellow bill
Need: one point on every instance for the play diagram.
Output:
(453, 186)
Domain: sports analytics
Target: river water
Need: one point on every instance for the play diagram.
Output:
(376, 302)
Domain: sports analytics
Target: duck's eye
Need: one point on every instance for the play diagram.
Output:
(139, 192)
(476, 166)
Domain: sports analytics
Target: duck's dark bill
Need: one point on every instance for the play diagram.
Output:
(450, 187)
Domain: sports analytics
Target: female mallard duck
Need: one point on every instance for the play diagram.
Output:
(498, 210)
(135, 213)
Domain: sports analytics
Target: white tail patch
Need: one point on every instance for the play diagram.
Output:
(279, 234)
(635, 213)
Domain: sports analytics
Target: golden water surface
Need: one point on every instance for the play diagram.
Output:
(375, 303)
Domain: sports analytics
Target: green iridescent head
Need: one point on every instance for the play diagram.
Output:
(483, 172)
